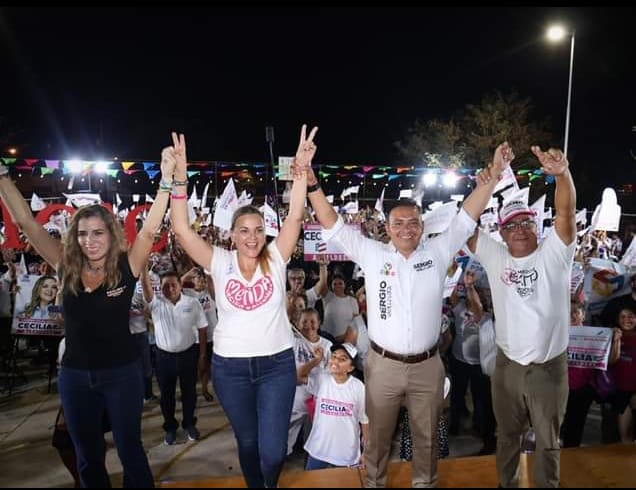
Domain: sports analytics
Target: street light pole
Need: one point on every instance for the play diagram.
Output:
(567, 114)
(556, 33)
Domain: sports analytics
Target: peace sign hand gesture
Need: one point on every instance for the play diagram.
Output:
(180, 155)
(305, 152)
(553, 161)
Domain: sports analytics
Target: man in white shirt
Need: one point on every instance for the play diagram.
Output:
(177, 318)
(531, 297)
(404, 281)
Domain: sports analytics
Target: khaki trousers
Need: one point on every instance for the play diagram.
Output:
(535, 394)
(418, 386)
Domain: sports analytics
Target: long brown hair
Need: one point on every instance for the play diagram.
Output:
(73, 259)
(263, 255)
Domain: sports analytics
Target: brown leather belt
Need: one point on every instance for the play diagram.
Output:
(407, 358)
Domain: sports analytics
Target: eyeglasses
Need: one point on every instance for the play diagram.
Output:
(526, 224)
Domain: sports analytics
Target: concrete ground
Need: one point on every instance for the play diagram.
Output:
(27, 458)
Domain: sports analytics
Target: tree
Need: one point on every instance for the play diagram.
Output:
(469, 138)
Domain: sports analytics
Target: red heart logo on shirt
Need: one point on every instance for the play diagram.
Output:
(249, 298)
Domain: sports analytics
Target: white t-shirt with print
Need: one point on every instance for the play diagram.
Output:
(340, 409)
(312, 297)
(466, 341)
(303, 353)
(252, 314)
(209, 308)
(531, 297)
(339, 313)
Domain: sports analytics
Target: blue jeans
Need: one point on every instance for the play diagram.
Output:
(141, 339)
(88, 394)
(257, 395)
(317, 464)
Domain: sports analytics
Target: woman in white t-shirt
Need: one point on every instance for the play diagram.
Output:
(340, 308)
(254, 374)
(340, 425)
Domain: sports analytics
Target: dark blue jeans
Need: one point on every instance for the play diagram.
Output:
(316, 464)
(182, 365)
(86, 396)
(257, 395)
(143, 346)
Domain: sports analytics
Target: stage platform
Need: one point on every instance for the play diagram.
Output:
(606, 466)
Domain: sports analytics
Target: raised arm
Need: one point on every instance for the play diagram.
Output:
(325, 213)
(48, 247)
(146, 284)
(321, 286)
(195, 246)
(487, 179)
(140, 251)
(474, 302)
(553, 162)
(288, 236)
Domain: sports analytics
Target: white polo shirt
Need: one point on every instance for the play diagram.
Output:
(404, 296)
(176, 325)
(530, 296)
(252, 314)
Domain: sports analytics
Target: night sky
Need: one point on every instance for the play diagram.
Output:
(114, 82)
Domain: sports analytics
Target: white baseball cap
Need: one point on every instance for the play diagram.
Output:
(350, 349)
(513, 209)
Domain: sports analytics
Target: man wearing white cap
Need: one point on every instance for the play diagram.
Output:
(531, 296)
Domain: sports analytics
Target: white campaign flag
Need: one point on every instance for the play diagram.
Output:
(37, 203)
(437, 220)
(450, 283)
(330, 198)
(581, 217)
(271, 222)
(607, 215)
(629, 258)
(507, 179)
(192, 214)
(379, 204)
(79, 200)
(538, 206)
(244, 199)
(204, 199)
(149, 199)
(194, 199)
(225, 207)
(351, 207)
(517, 194)
(406, 193)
